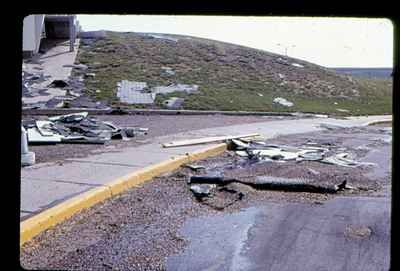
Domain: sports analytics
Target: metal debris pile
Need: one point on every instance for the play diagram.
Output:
(211, 187)
(77, 128)
(259, 151)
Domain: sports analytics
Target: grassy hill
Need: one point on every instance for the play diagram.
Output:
(230, 77)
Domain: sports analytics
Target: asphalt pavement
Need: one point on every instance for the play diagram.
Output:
(344, 233)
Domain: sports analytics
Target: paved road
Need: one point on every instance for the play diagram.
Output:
(345, 233)
(44, 185)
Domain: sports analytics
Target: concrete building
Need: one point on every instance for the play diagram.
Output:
(40, 26)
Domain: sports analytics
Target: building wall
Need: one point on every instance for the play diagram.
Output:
(32, 32)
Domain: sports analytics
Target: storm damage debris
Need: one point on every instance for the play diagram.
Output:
(77, 128)
(343, 159)
(194, 167)
(273, 183)
(261, 152)
(176, 88)
(40, 91)
(297, 65)
(283, 101)
(216, 195)
(174, 102)
(205, 140)
(132, 92)
(202, 190)
(58, 84)
(168, 70)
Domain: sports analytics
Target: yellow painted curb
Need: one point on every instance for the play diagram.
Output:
(40, 222)
(46, 219)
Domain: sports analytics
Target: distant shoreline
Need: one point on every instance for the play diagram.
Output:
(368, 72)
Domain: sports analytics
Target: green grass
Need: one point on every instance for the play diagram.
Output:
(230, 77)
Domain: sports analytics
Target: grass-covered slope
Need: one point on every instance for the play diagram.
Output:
(230, 77)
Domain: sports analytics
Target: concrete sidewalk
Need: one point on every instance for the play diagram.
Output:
(45, 185)
(52, 64)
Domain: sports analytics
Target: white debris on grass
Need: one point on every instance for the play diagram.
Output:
(281, 76)
(168, 70)
(174, 102)
(283, 101)
(174, 88)
(133, 92)
(342, 110)
(297, 65)
(130, 92)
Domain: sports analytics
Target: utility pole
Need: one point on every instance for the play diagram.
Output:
(286, 47)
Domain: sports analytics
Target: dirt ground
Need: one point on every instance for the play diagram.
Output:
(159, 125)
(137, 230)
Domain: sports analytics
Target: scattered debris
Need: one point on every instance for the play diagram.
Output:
(283, 101)
(58, 84)
(202, 190)
(273, 183)
(132, 92)
(75, 117)
(76, 66)
(297, 65)
(174, 102)
(168, 70)
(282, 61)
(257, 151)
(205, 140)
(90, 74)
(194, 167)
(175, 88)
(77, 128)
(341, 159)
(342, 110)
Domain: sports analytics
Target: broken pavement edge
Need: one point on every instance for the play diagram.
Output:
(50, 217)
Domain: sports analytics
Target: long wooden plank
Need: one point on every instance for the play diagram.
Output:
(205, 140)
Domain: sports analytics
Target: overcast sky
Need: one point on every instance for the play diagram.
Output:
(330, 42)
